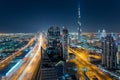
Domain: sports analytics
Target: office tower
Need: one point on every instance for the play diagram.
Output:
(104, 48)
(53, 37)
(103, 33)
(54, 44)
(99, 34)
(118, 56)
(47, 69)
(65, 43)
(51, 55)
(109, 52)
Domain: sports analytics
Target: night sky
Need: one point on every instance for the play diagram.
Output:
(39, 15)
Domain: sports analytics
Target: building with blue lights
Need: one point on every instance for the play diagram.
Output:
(109, 52)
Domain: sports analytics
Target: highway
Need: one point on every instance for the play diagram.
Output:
(29, 70)
(31, 61)
(7, 60)
(27, 59)
(82, 61)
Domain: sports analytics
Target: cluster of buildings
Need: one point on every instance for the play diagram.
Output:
(57, 52)
(110, 51)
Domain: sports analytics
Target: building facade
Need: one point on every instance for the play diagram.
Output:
(109, 52)
(54, 45)
(53, 37)
(118, 56)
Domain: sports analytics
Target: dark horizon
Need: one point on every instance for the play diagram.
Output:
(38, 15)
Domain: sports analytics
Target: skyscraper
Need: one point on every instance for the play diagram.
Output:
(118, 56)
(109, 52)
(53, 36)
(104, 48)
(54, 50)
(103, 34)
(65, 43)
(79, 24)
(99, 34)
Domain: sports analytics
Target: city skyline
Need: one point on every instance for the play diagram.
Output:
(33, 15)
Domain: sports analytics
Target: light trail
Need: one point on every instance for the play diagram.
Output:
(28, 66)
(83, 61)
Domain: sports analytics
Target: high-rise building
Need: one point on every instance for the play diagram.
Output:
(104, 48)
(54, 45)
(47, 69)
(65, 43)
(109, 52)
(118, 56)
(103, 33)
(99, 34)
(53, 37)
(79, 24)
(51, 56)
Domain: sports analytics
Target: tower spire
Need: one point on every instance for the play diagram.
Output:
(79, 23)
(79, 11)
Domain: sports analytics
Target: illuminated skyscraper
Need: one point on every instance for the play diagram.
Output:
(54, 43)
(109, 52)
(65, 43)
(103, 34)
(53, 36)
(99, 34)
(104, 48)
(118, 56)
(79, 24)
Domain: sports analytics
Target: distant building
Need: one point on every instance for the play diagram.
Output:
(65, 43)
(118, 57)
(79, 24)
(99, 34)
(104, 48)
(109, 52)
(103, 33)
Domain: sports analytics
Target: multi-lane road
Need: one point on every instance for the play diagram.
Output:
(82, 61)
(26, 67)
(27, 70)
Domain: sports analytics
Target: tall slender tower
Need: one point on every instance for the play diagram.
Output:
(79, 23)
